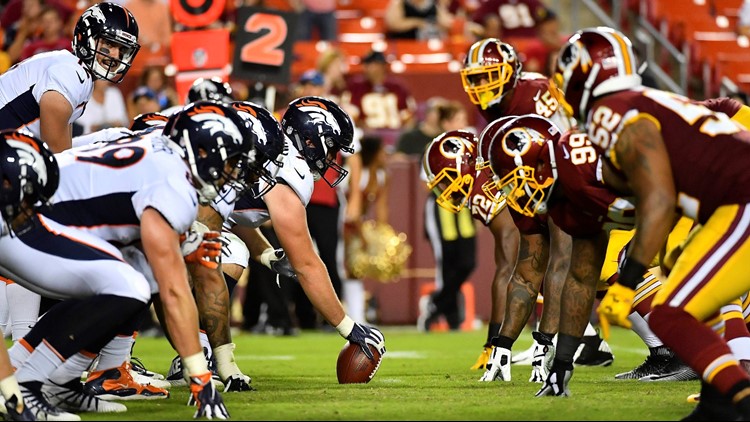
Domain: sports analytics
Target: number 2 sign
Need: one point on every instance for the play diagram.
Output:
(263, 46)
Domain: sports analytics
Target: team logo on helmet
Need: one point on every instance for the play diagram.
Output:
(319, 113)
(96, 13)
(212, 118)
(517, 141)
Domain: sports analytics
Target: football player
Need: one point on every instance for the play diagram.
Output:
(30, 177)
(213, 89)
(677, 157)
(145, 197)
(46, 93)
(315, 130)
(213, 286)
(494, 81)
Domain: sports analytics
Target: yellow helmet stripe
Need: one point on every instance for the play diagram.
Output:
(625, 53)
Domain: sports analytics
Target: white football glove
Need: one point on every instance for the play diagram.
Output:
(498, 367)
(544, 354)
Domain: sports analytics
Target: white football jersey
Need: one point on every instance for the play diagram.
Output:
(104, 188)
(253, 212)
(104, 135)
(22, 86)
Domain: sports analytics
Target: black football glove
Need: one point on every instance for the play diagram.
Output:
(364, 336)
(277, 261)
(17, 410)
(237, 382)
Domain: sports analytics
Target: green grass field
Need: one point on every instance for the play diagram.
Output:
(422, 377)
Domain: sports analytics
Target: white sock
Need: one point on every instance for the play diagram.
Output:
(740, 347)
(203, 337)
(640, 327)
(24, 309)
(115, 353)
(590, 331)
(4, 308)
(18, 354)
(71, 369)
(38, 367)
(354, 297)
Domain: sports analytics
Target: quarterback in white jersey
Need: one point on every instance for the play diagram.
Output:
(149, 197)
(46, 93)
(49, 91)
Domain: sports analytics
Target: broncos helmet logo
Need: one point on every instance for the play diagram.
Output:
(96, 13)
(29, 157)
(319, 114)
(215, 123)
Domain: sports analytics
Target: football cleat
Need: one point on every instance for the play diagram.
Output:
(483, 358)
(556, 383)
(713, 406)
(118, 384)
(498, 367)
(71, 397)
(593, 351)
(141, 375)
(40, 407)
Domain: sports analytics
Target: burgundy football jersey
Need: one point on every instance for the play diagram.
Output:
(386, 106)
(531, 95)
(583, 205)
(707, 150)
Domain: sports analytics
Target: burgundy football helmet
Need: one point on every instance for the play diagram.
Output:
(522, 157)
(491, 69)
(450, 165)
(483, 159)
(594, 61)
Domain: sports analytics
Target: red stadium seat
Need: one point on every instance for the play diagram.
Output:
(361, 29)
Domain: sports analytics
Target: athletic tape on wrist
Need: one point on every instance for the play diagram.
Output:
(345, 327)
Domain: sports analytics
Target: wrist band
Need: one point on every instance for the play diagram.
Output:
(631, 273)
(345, 327)
(195, 364)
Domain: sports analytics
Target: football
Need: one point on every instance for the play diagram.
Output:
(354, 367)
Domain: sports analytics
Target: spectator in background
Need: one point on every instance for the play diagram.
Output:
(51, 38)
(413, 141)
(143, 100)
(380, 101)
(518, 19)
(317, 17)
(418, 19)
(332, 64)
(155, 22)
(105, 109)
(155, 78)
(20, 32)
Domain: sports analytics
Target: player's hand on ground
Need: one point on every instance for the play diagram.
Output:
(498, 367)
(204, 395)
(237, 382)
(544, 354)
